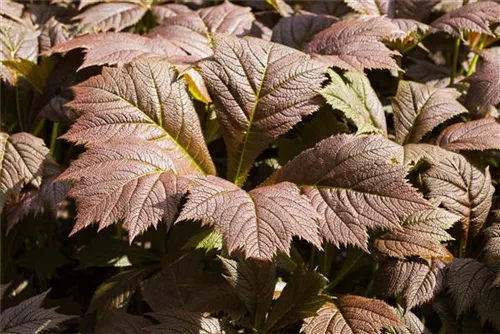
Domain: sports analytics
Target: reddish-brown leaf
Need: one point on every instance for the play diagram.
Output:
(483, 134)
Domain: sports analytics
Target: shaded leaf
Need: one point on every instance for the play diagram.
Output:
(482, 134)
(355, 97)
(260, 90)
(492, 247)
(29, 317)
(473, 17)
(259, 222)
(173, 320)
(111, 16)
(121, 322)
(52, 33)
(352, 315)
(352, 184)
(412, 324)
(36, 75)
(419, 108)
(356, 44)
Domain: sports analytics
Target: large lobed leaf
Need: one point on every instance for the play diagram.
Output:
(259, 222)
(482, 134)
(112, 16)
(260, 90)
(353, 186)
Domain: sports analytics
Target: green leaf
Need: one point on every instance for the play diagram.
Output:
(206, 239)
(35, 74)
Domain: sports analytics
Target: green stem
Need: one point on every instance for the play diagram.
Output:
(399, 60)
(53, 138)
(473, 63)
(369, 288)
(18, 105)
(454, 64)
(38, 128)
(344, 271)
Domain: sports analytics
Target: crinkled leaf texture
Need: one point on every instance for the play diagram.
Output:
(474, 17)
(484, 90)
(356, 44)
(452, 181)
(175, 320)
(112, 16)
(29, 317)
(471, 285)
(482, 134)
(492, 247)
(352, 315)
(417, 281)
(259, 222)
(193, 32)
(260, 90)
(353, 185)
(419, 108)
(21, 160)
(355, 97)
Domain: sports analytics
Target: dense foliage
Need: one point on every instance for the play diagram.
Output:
(250, 166)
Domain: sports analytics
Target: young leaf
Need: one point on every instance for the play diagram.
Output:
(417, 281)
(295, 31)
(29, 317)
(260, 90)
(112, 16)
(174, 320)
(21, 161)
(356, 98)
(114, 105)
(345, 173)
(482, 134)
(356, 45)
(419, 108)
(473, 17)
(484, 90)
(259, 222)
(121, 322)
(299, 299)
(193, 32)
(352, 315)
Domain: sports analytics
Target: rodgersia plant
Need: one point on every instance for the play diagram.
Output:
(268, 167)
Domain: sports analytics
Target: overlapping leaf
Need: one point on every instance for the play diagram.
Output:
(121, 322)
(21, 160)
(473, 17)
(352, 184)
(482, 134)
(260, 91)
(417, 281)
(412, 324)
(174, 320)
(163, 12)
(355, 97)
(112, 16)
(193, 32)
(492, 247)
(259, 222)
(419, 108)
(356, 44)
(352, 315)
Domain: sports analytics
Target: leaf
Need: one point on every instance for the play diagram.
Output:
(353, 186)
(352, 315)
(174, 320)
(121, 322)
(259, 222)
(111, 16)
(142, 188)
(299, 299)
(412, 324)
(417, 281)
(372, 7)
(482, 134)
(484, 89)
(356, 45)
(116, 48)
(492, 247)
(295, 31)
(193, 32)
(52, 33)
(113, 106)
(36, 75)
(29, 317)
(163, 12)
(35, 260)
(206, 239)
(260, 90)
(470, 284)
(21, 157)
(254, 283)
(356, 98)
(451, 174)
(419, 108)
(473, 17)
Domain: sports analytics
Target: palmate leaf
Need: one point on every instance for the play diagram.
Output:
(355, 97)
(260, 90)
(29, 317)
(356, 45)
(470, 285)
(21, 162)
(473, 17)
(353, 186)
(174, 320)
(482, 134)
(259, 222)
(419, 108)
(193, 32)
(352, 315)
(417, 281)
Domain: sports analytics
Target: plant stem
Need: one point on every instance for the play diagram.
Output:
(18, 106)
(399, 60)
(473, 63)
(369, 288)
(463, 243)
(53, 138)
(454, 64)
